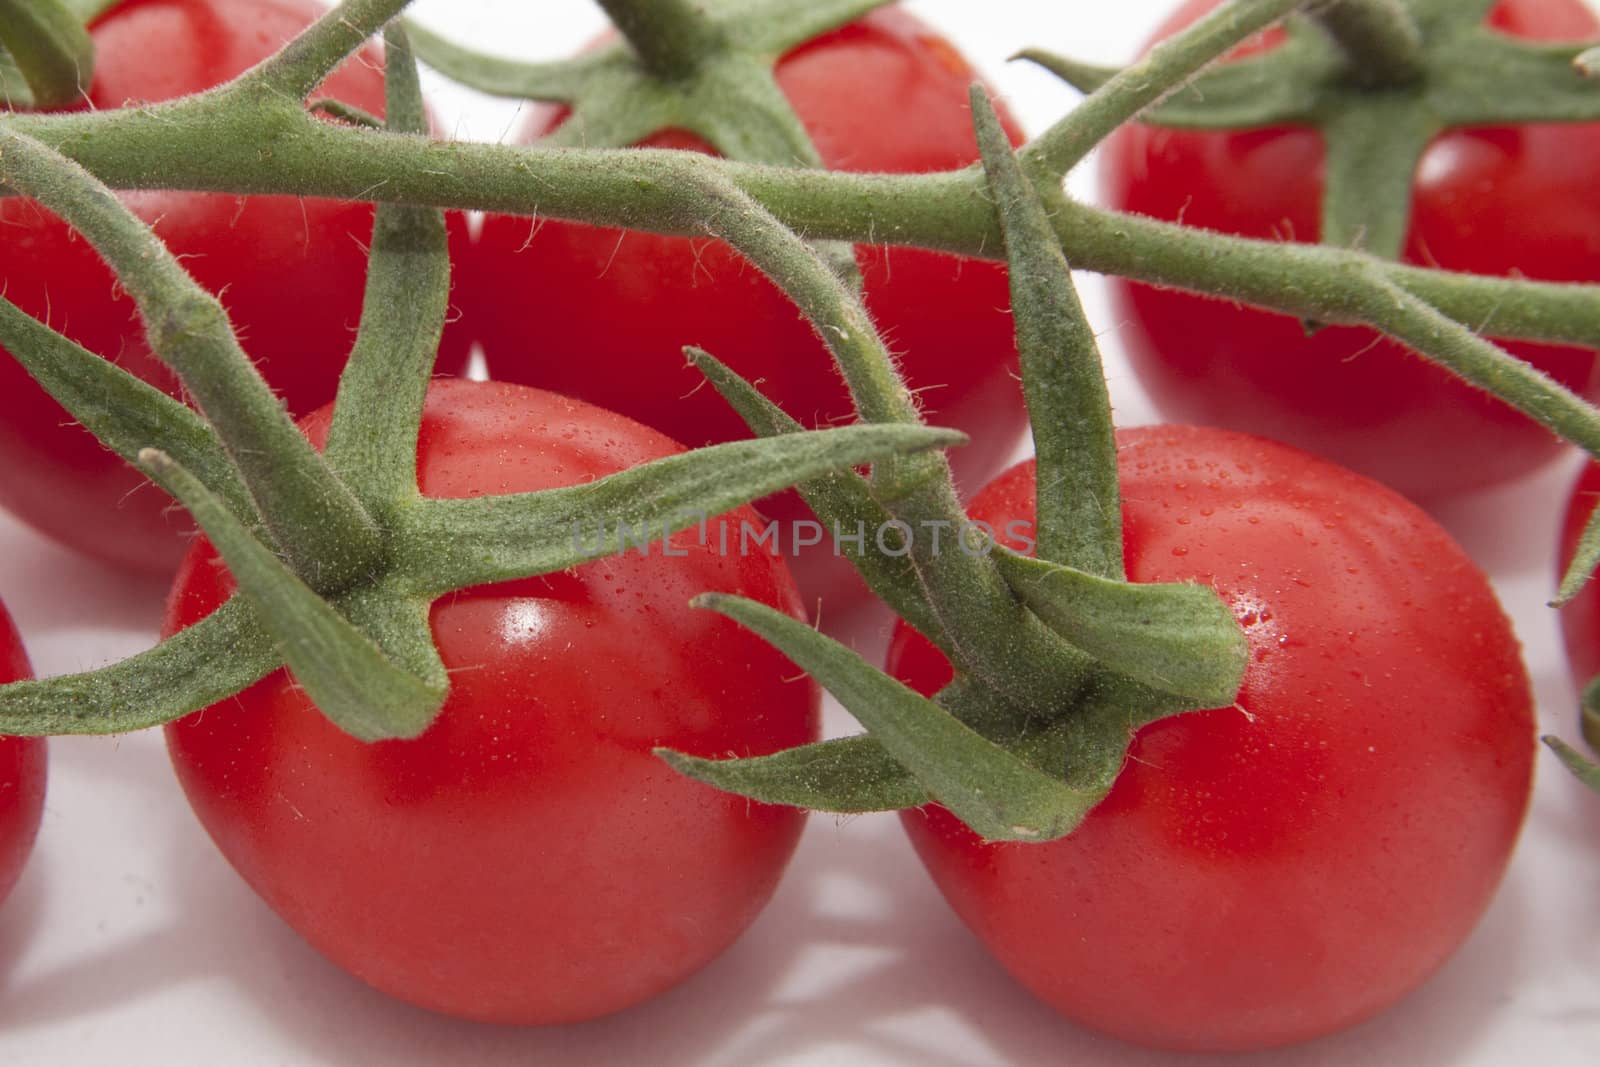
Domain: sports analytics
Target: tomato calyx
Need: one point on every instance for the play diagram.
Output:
(337, 555)
(46, 44)
(1009, 771)
(677, 67)
(1377, 114)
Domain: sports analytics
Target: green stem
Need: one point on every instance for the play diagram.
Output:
(51, 50)
(1409, 319)
(308, 59)
(1166, 67)
(672, 38)
(1381, 41)
(373, 439)
(323, 531)
(197, 145)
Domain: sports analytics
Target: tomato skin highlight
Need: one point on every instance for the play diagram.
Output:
(883, 94)
(527, 860)
(291, 272)
(1497, 201)
(22, 771)
(1268, 873)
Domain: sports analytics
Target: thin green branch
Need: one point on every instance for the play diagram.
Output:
(1404, 316)
(1167, 66)
(373, 439)
(307, 60)
(314, 519)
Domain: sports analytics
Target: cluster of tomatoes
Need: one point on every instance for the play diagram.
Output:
(1351, 840)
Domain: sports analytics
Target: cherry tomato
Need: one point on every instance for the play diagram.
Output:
(290, 271)
(1580, 618)
(1502, 201)
(22, 771)
(616, 309)
(1269, 872)
(527, 860)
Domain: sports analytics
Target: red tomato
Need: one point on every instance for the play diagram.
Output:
(1270, 872)
(1580, 618)
(882, 94)
(527, 860)
(290, 270)
(1513, 201)
(22, 771)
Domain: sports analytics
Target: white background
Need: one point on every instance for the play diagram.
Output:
(129, 940)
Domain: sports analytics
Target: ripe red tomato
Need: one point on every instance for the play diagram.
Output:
(527, 860)
(22, 771)
(882, 94)
(1503, 201)
(1270, 872)
(1580, 617)
(290, 271)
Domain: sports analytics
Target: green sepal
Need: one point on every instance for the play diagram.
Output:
(1275, 88)
(848, 776)
(840, 498)
(1583, 769)
(126, 413)
(562, 81)
(349, 678)
(89, 10)
(774, 27)
(315, 520)
(1436, 16)
(48, 46)
(1177, 638)
(1584, 561)
(372, 442)
(212, 660)
(1079, 506)
(452, 544)
(1589, 714)
(997, 794)
(1549, 80)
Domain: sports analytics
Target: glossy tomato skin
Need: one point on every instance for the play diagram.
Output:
(1504, 201)
(1267, 873)
(1580, 617)
(527, 860)
(22, 771)
(883, 94)
(290, 272)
